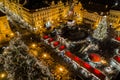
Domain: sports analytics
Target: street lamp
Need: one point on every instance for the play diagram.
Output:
(35, 53)
(103, 61)
(2, 75)
(33, 45)
(44, 55)
(61, 69)
(12, 34)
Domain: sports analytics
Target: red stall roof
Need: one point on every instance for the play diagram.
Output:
(56, 43)
(62, 47)
(117, 58)
(45, 37)
(95, 57)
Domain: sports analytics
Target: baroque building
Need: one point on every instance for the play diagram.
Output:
(39, 15)
(91, 18)
(5, 31)
(114, 19)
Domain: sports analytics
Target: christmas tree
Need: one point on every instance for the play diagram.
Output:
(100, 33)
(20, 65)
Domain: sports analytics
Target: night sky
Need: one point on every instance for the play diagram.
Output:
(35, 4)
(108, 2)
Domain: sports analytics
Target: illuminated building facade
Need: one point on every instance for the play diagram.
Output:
(78, 12)
(38, 17)
(92, 19)
(5, 31)
(114, 19)
(54, 13)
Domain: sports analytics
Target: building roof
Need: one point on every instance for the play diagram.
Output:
(2, 14)
(94, 57)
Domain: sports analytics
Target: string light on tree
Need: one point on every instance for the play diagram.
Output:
(101, 32)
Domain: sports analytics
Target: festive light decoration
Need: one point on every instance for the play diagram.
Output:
(24, 65)
(61, 69)
(2, 75)
(82, 63)
(44, 55)
(33, 45)
(100, 32)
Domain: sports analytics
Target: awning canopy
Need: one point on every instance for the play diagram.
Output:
(62, 47)
(95, 57)
(117, 58)
(117, 38)
(45, 37)
(56, 43)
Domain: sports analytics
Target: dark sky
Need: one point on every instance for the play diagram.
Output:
(34, 4)
(109, 2)
(99, 5)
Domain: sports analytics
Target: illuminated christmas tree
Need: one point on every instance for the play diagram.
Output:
(100, 33)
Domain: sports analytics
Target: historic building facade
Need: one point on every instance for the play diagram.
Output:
(5, 31)
(53, 13)
(114, 19)
(38, 17)
(91, 19)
